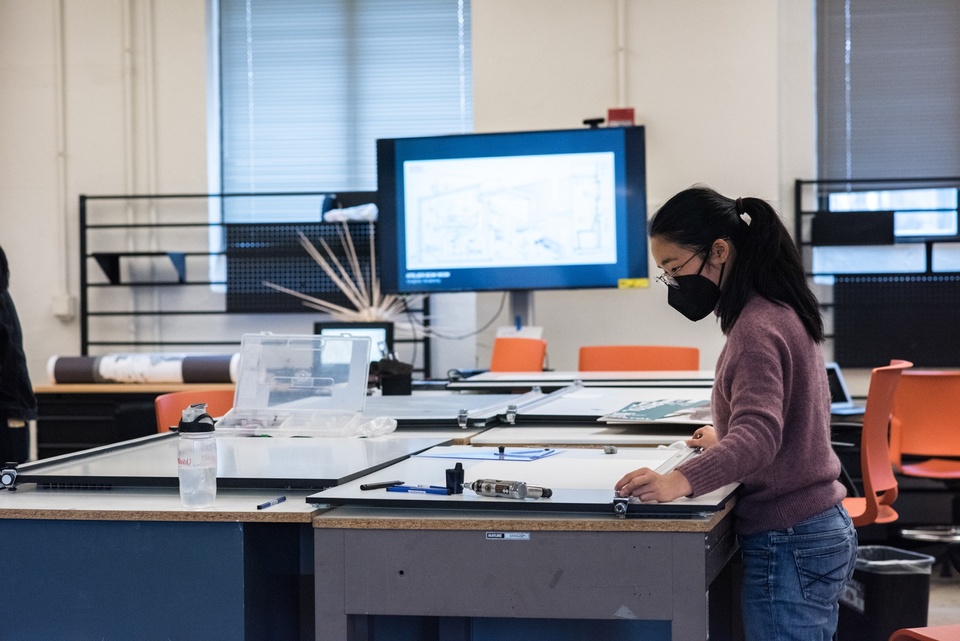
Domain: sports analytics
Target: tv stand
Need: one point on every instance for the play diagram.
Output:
(521, 307)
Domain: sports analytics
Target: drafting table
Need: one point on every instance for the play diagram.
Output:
(491, 569)
(109, 554)
(553, 380)
(114, 564)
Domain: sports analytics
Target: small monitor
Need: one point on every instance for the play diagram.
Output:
(380, 334)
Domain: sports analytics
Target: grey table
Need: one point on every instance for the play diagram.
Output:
(384, 573)
(395, 565)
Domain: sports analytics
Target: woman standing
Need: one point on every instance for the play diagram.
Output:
(770, 407)
(18, 405)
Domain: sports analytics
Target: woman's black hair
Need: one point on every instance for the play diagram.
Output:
(767, 259)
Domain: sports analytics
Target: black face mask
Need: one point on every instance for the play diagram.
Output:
(695, 295)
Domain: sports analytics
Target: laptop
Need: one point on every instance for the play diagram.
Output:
(840, 401)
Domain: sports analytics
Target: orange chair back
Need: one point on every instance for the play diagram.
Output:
(623, 358)
(930, 633)
(924, 423)
(169, 407)
(879, 482)
(518, 355)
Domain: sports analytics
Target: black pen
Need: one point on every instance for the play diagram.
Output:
(279, 499)
(380, 485)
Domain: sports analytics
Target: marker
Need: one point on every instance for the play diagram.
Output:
(279, 499)
(419, 489)
(381, 485)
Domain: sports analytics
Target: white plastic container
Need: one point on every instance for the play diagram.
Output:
(310, 386)
(197, 458)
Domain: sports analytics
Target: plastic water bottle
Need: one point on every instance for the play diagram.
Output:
(197, 457)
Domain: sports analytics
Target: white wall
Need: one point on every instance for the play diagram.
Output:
(724, 89)
(108, 96)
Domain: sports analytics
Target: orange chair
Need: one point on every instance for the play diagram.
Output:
(925, 443)
(930, 633)
(169, 407)
(623, 358)
(518, 355)
(924, 424)
(879, 483)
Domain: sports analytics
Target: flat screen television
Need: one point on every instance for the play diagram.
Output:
(530, 210)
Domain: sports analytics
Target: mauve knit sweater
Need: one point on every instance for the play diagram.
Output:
(771, 410)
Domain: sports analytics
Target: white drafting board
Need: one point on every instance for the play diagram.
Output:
(555, 379)
(243, 462)
(433, 409)
(581, 479)
(597, 435)
(586, 404)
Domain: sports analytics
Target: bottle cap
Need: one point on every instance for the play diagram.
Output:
(195, 419)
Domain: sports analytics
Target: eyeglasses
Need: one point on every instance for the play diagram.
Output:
(667, 277)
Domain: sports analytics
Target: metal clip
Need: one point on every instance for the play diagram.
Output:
(620, 506)
(462, 419)
(8, 476)
(511, 415)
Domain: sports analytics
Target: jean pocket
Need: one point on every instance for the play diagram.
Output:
(824, 571)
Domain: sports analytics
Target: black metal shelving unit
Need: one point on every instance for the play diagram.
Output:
(875, 315)
(145, 268)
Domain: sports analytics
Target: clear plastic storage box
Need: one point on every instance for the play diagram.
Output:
(291, 385)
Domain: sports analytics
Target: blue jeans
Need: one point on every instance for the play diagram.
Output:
(793, 578)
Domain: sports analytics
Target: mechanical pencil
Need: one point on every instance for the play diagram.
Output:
(279, 499)
(380, 485)
(418, 489)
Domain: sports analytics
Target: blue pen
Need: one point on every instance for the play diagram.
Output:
(419, 489)
(276, 501)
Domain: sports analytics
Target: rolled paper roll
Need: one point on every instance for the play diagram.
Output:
(144, 368)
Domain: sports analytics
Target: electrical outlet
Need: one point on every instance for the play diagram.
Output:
(65, 306)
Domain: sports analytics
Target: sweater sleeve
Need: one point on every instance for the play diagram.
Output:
(748, 410)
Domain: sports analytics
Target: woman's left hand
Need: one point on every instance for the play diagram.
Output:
(647, 485)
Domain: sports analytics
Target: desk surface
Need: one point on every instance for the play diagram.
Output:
(363, 518)
(152, 504)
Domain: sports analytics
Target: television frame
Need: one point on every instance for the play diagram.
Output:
(630, 269)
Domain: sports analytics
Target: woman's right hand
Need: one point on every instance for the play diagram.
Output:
(705, 437)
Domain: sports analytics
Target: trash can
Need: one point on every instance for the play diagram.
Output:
(890, 589)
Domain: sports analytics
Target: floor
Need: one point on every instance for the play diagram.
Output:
(944, 599)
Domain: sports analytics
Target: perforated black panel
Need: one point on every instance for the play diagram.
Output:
(273, 253)
(914, 317)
